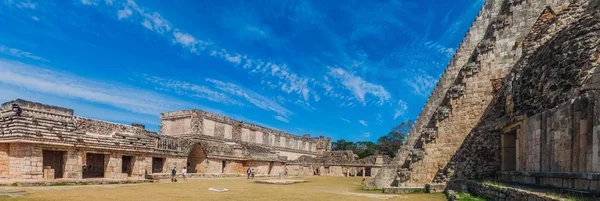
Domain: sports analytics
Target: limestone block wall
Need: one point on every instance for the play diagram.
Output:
(235, 167)
(260, 167)
(493, 58)
(73, 164)
(4, 160)
(200, 124)
(25, 161)
(214, 166)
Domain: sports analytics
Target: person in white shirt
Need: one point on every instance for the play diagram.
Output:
(184, 173)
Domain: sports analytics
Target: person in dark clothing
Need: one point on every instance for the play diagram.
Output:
(249, 172)
(173, 174)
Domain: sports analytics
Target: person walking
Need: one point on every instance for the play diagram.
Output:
(248, 172)
(184, 173)
(252, 173)
(174, 174)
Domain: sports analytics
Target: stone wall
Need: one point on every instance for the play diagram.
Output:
(205, 125)
(4, 160)
(527, 56)
(493, 192)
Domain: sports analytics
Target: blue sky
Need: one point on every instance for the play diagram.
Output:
(345, 69)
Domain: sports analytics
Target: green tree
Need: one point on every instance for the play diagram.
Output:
(390, 143)
(364, 149)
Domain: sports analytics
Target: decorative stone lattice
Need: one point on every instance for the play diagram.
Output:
(470, 69)
(428, 135)
(456, 91)
(443, 113)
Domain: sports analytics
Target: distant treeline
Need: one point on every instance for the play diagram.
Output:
(385, 145)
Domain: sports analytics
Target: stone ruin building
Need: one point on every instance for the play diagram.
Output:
(518, 103)
(338, 164)
(43, 142)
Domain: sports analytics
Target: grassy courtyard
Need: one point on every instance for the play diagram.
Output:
(319, 188)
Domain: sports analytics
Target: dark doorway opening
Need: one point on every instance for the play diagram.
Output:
(127, 165)
(367, 172)
(158, 165)
(223, 165)
(270, 167)
(509, 151)
(56, 160)
(95, 166)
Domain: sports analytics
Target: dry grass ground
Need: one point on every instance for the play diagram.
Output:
(319, 188)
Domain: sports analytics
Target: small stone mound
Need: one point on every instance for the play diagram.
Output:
(280, 181)
(218, 189)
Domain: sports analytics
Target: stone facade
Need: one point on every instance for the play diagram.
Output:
(43, 142)
(198, 124)
(337, 164)
(520, 96)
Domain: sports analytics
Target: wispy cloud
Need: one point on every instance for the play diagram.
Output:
(421, 83)
(366, 134)
(283, 119)
(45, 81)
(359, 87)
(250, 96)
(19, 53)
(401, 109)
(89, 2)
(189, 89)
(449, 52)
(379, 119)
(346, 120)
(363, 122)
(24, 4)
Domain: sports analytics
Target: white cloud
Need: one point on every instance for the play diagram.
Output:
(35, 18)
(19, 53)
(346, 120)
(449, 52)
(192, 90)
(45, 81)
(124, 13)
(421, 83)
(359, 87)
(285, 79)
(366, 134)
(283, 119)
(401, 109)
(379, 119)
(89, 2)
(363, 122)
(250, 96)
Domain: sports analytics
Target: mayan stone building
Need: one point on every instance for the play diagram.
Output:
(519, 102)
(40, 141)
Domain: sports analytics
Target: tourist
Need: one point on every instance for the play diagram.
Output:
(184, 172)
(252, 173)
(174, 174)
(248, 172)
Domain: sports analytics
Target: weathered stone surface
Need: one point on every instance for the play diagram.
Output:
(526, 69)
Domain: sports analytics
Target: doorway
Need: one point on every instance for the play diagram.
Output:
(158, 165)
(509, 151)
(56, 161)
(127, 165)
(95, 166)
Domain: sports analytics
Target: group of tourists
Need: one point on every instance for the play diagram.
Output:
(174, 174)
(250, 173)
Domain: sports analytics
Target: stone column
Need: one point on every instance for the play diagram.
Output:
(347, 172)
(363, 171)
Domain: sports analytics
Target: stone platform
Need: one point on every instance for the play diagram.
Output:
(280, 181)
(403, 190)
